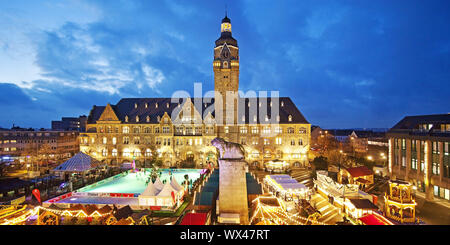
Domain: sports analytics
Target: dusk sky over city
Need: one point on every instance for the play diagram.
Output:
(345, 64)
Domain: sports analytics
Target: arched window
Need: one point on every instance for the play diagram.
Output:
(137, 118)
(137, 153)
(148, 119)
(290, 118)
(126, 118)
(104, 152)
(126, 153)
(148, 153)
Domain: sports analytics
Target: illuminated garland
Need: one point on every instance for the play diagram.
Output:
(70, 213)
(277, 214)
(21, 218)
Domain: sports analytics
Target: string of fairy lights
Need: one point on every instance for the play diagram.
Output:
(277, 214)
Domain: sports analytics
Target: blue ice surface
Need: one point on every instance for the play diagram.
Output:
(136, 182)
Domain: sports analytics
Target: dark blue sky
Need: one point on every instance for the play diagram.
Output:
(344, 63)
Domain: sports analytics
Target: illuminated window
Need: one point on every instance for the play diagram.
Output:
(254, 130)
(105, 140)
(126, 153)
(126, 118)
(226, 129)
(125, 130)
(104, 152)
(148, 153)
(243, 130)
(278, 141)
(126, 140)
(114, 140)
(114, 152)
(266, 142)
(137, 140)
(137, 153)
(137, 118)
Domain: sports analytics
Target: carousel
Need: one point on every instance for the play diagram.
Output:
(399, 202)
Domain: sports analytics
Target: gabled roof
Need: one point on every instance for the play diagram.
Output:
(167, 191)
(158, 184)
(123, 213)
(105, 209)
(150, 190)
(175, 185)
(359, 171)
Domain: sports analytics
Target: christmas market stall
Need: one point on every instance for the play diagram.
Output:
(286, 187)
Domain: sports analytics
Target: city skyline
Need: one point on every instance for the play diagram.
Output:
(344, 64)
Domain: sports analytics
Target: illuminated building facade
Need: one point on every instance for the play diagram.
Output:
(419, 153)
(181, 130)
(25, 146)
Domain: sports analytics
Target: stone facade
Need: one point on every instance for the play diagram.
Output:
(233, 189)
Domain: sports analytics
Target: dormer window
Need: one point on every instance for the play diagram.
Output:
(270, 103)
(267, 118)
(148, 119)
(156, 105)
(243, 118)
(167, 105)
(126, 118)
(282, 103)
(137, 118)
(159, 118)
(146, 105)
(290, 118)
(254, 118)
(135, 105)
(278, 118)
(259, 104)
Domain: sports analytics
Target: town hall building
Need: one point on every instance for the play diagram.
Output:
(178, 130)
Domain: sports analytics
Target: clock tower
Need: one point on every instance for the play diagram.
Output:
(226, 75)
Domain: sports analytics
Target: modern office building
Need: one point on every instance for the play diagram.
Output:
(419, 153)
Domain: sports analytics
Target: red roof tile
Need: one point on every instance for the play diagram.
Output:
(359, 171)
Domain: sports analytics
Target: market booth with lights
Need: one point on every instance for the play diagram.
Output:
(347, 197)
(286, 187)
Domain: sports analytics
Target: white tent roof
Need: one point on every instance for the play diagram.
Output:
(80, 162)
(158, 184)
(175, 185)
(167, 190)
(149, 191)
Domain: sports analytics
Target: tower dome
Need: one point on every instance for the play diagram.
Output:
(225, 35)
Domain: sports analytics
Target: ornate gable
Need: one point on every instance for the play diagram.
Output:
(108, 115)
